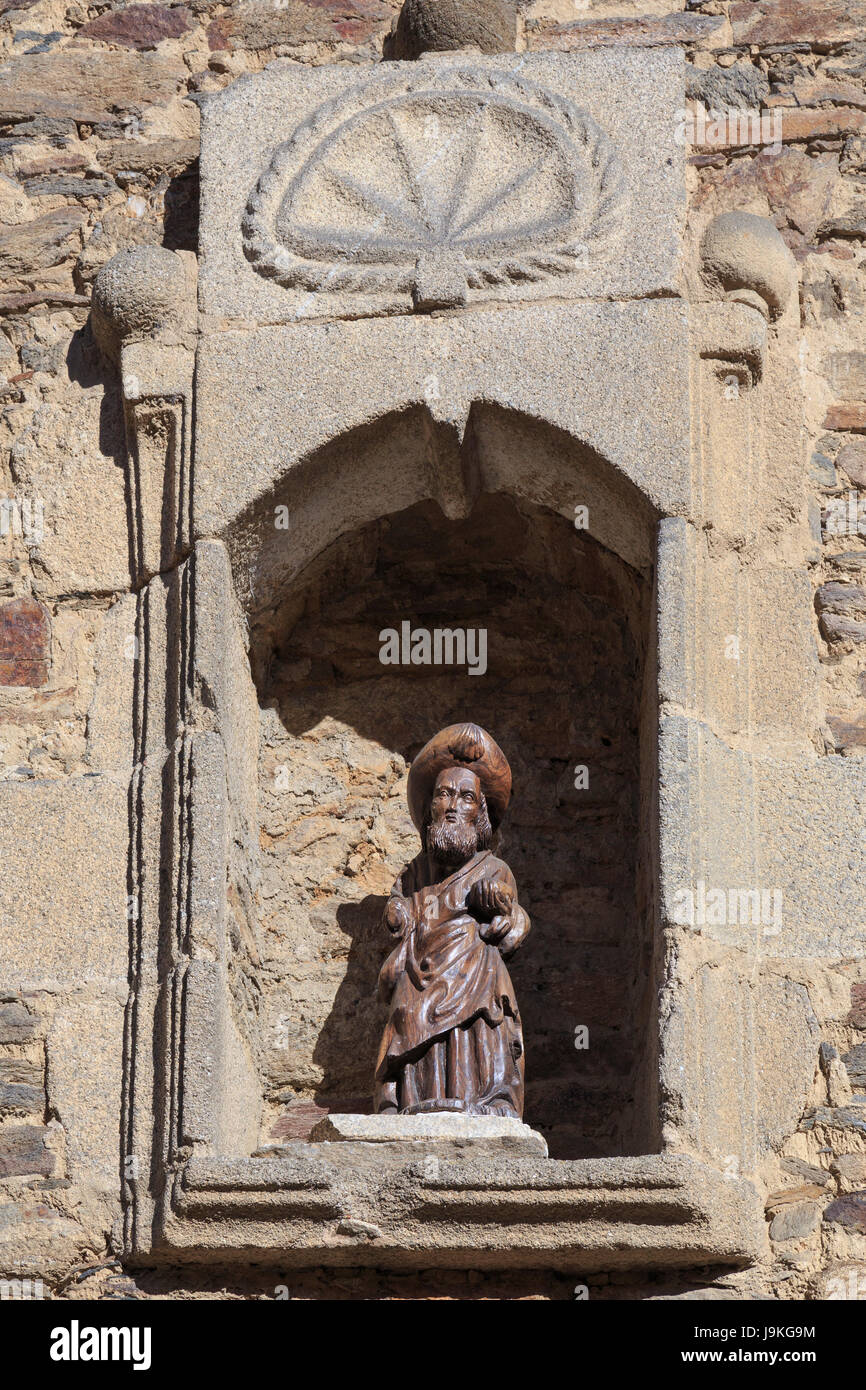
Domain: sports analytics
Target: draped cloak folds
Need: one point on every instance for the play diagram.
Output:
(453, 1032)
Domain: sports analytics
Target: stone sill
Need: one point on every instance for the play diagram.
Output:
(461, 1206)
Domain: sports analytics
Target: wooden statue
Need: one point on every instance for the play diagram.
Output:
(453, 1039)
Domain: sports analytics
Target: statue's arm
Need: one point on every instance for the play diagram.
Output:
(518, 919)
(517, 932)
(397, 915)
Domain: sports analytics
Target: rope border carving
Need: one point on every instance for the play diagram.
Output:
(561, 255)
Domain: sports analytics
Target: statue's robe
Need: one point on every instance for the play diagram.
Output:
(453, 1037)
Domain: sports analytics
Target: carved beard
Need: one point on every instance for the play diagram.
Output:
(452, 844)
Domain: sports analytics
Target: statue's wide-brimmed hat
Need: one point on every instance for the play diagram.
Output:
(460, 745)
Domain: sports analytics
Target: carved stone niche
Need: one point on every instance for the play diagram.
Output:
(341, 433)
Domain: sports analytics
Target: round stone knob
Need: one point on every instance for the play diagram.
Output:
(745, 256)
(439, 26)
(139, 293)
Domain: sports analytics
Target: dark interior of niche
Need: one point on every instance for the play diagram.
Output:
(567, 624)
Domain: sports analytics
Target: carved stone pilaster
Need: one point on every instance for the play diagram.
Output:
(144, 319)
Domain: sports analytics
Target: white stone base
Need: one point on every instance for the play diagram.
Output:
(436, 1127)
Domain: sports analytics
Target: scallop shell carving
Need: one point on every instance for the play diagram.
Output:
(482, 180)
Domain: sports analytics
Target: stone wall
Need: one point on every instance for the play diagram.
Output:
(98, 151)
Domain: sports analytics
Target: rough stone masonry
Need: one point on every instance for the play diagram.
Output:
(252, 414)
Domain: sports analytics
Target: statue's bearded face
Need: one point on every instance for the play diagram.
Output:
(459, 825)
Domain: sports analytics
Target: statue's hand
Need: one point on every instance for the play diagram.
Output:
(495, 930)
(489, 898)
(398, 914)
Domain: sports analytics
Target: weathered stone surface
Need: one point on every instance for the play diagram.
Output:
(76, 836)
(848, 415)
(85, 1069)
(84, 85)
(58, 161)
(110, 713)
(22, 1090)
(645, 31)
(850, 1167)
(790, 852)
(855, 1063)
(78, 512)
(19, 1099)
(25, 643)
(849, 562)
(253, 27)
(17, 1023)
(36, 1240)
(852, 458)
(24, 1151)
(822, 470)
(846, 734)
(714, 1103)
(822, 123)
(64, 187)
(842, 611)
(815, 1176)
(21, 1070)
(701, 592)
(22, 303)
(824, 24)
(792, 187)
(848, 1211)
(852, 1117)
(44, 242)
(835, 1074)
(857, 1014)
(846, 373)
(853, 156)
(516, 1209)
(848, 224)
(795, 1221)
(785, 1196)
(722, 88)
(135, 156)
(837, 597)
(138, 26)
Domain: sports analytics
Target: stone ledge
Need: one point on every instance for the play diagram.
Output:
(360, 1203)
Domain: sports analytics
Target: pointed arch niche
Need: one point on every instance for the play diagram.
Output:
(567, 625)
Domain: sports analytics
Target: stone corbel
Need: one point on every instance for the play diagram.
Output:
(745, 260)
(144, 319)
(748, 275)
